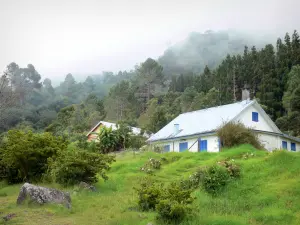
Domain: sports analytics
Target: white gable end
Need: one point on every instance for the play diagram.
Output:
(264, 123)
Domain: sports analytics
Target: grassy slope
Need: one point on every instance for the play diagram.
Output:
(267, 193)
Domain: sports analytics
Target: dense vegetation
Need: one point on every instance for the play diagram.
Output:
(265, 192)
(153, 94)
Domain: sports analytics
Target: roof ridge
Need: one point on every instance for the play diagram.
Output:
(219, 106)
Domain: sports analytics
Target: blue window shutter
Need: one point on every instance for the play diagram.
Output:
(183, 146)
(166, 148)
(203, 145)
(255, 116)
(293, 147)
(284, 144)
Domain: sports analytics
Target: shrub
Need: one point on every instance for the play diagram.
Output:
(171, 202)
(72, 167)
(233, 134)
(174, 202)
(216, 177)
(171, 211)
(233, 169)
(148, 195)
(25, 154)
(194, 180)
(151, 165)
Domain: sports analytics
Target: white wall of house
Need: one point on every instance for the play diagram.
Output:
(288, 141)
(269, 141)
(212, 143)
(246, 118)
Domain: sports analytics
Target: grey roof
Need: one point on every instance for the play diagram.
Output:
(291, 138)
(201, 121)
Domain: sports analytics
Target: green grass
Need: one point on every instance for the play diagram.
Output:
(268, 192)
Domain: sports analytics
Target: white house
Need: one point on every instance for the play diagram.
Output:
(196, 131)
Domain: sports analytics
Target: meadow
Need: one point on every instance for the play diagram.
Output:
(268, 192)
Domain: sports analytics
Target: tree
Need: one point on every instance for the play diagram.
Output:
(291, 99)
(23, 80)
(48, 87)
(7, 95)
(150, 73)
(157, 121)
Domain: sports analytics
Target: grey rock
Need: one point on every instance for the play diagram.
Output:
(86, 186)
(43, 195)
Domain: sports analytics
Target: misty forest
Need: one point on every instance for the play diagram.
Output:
(120, 178)
(208, 69)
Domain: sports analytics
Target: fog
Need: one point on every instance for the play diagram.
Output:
(87, 37)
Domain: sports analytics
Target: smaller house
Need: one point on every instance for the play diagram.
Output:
(196, 131)
(92, 136)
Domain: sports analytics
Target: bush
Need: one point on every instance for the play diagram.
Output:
(72, 167)
(194, 180)
(171, 211)
(25, 154)
(233, 134)
(151, 165)
(171, 202)
(148, 195)
(233, 170)
(216, 177)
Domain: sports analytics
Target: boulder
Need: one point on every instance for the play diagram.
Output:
(86, 186)
(43, 195)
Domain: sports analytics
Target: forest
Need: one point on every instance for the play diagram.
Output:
(156, 91)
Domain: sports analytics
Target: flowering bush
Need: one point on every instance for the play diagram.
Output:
(151, 165)
(232, 169)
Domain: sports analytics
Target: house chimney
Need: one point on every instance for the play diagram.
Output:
(176, 128)
(245, 93)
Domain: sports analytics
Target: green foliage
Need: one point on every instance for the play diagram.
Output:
(108, 140)
(171, 202)
(216, 177)
(151, 165)
(171, 211)
(194, 180)
(233, 134)
(25, 153)
(73, 166)
(269, 181)
(233, 169)
(149, 193)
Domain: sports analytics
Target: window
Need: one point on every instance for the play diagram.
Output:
(202, 145)
(255, 116)
(183, 146)
(293, 147)
(166, 148)
(284, 144)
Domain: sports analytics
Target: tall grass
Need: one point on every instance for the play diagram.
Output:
(268, 192)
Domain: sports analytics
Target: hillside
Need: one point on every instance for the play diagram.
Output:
(267, 192)
(205, 49)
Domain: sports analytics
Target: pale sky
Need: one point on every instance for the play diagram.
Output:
(89, 36)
